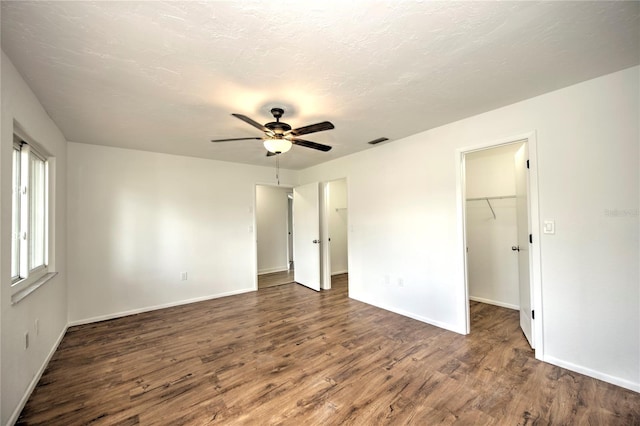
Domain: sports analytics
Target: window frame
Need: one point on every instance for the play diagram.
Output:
(33, 153)
(29, 277)
(16, 204)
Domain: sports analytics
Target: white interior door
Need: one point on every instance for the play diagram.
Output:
(306, 235)
(522, 217)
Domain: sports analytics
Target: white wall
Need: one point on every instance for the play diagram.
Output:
(338, 226)
(272, 205)
(403, 219)
(138, 219)
(492, 267)
(19, 367)
(491, 172)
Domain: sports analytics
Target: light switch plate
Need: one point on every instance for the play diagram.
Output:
(549, 227)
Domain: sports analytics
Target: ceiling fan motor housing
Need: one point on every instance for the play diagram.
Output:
(276, 126)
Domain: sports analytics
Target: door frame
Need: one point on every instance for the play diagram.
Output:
(290, 231)
(534, 228)
(325, 247)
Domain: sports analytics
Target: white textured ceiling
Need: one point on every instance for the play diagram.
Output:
(165, 76)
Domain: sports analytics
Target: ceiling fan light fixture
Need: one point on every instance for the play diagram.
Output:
(277, 145)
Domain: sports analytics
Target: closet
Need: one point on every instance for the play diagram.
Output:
(491, 226)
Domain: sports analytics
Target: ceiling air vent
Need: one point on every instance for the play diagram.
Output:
(377, 141)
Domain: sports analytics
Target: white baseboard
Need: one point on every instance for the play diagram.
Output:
(627, 384)
(272, 270)
(402, 312)
(36, 379)
(156, 307)
(494, 302)
(339, 272)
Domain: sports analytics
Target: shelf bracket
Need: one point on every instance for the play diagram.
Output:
(492, 212)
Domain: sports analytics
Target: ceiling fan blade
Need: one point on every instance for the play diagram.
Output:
(312, 128)
(235, 139)
(309, 144)
(377, 141)
(270, 154)
(251, 122)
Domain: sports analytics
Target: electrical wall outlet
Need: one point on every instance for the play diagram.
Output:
(183, 276)
(37, 326)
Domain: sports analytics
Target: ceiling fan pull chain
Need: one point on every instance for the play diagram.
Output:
(278, 169)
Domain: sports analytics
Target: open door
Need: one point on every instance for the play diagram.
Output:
(306, 235)
(522, 217)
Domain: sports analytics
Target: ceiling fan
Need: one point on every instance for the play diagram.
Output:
(279, 136)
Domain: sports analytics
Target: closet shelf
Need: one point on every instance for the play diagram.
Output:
(500, 197)
(487, 199)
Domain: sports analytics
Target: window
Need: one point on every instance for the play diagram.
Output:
(29, 216)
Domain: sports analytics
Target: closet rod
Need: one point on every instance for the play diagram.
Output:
(489, 202)
(491, 198)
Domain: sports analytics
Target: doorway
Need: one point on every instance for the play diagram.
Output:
(491, 226)
(320, 237)
(335, 232)
(314, 249)
(499, 205)
(274, 231)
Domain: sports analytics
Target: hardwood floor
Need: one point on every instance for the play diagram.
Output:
(275, 278)
(289, 355)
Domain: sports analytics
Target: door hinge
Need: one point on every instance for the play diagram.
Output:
(527, 164)
(530, 239)
(533, 314)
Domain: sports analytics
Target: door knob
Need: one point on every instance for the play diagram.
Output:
(515, 248)
(316, 241)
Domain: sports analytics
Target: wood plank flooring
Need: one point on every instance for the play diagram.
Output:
(288, 355)
(275, 278)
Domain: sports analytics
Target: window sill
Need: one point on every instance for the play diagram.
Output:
(19, 295)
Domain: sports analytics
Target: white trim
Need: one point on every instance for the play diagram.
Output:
(535, 249)
(30, 288)
(273, 270)
(627, 384)
(495, 303)
(461, 200)
(254, 235)
(156, 307)
(402, 312)
(325, 247)
(36, 378)
(345, 271)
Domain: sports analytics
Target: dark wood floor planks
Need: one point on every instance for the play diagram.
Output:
(289, 355)
(275, 278)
